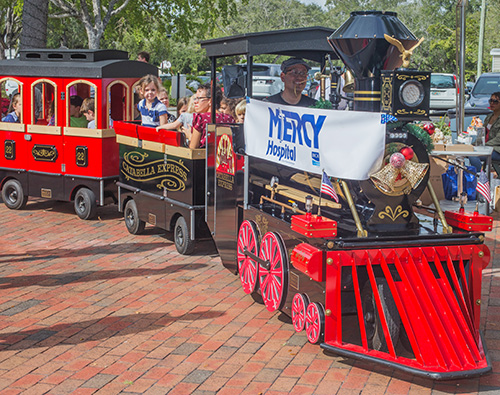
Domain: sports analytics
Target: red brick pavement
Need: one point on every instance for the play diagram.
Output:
(86, 308)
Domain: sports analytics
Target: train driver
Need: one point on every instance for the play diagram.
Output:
(294, 74)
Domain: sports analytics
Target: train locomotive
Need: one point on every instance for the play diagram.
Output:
(366, 277)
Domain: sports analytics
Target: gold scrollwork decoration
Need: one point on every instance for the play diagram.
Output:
(406, 112)
(393, 214)
(404, 77)
(262, 223)
(172, 184)
(135, 157)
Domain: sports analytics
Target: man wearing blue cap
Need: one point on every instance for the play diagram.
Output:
(294, 75)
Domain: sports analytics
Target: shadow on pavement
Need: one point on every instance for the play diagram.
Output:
(54, 280)
(120, 248)
(97, 329)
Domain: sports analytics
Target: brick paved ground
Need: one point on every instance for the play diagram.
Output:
(87, 308)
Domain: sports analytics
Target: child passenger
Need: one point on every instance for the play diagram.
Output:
(14, 115)
(153, 112)
(185, 119)
(241, 109)
(88, 111)
(163, 97)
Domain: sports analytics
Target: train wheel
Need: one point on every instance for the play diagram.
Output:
(85, 204)
(13, 195)
(299, 306)
(273, 276)
(247, 267)
(373, 325)
(132, 222)
(183, 242)
(315, 323)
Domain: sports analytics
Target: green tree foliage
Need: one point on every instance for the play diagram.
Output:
(10, 26)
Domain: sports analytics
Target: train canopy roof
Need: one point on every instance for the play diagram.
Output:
(307, 42)
(78, 63)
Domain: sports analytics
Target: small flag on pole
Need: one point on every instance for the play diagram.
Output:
(483, 186)
(327, 187)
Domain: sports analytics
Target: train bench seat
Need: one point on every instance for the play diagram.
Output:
(134, 129)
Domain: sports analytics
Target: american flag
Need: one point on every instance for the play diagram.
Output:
(327, 187)
(483, 186)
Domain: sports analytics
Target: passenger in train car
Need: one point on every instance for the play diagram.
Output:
(227, 106)
(182, 105)
(163, 97)
(241, 109)
(137, 113)
(153, 111)
(76, 119)
(15, 108)
(294, 76)
(51, 114)
(185, 120)
(202, 104)
(88, 111)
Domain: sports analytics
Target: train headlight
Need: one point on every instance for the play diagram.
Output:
(411, 93)
(405, 94)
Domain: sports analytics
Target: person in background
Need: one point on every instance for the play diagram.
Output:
(241, 109)
(294, 76)
(76, 119)
(15, 108)
(143, 56)
(202, 104)
(153, 111)
(492, 132)
(163, 97)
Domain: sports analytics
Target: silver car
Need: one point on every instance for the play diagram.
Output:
(443, 91)
(266, 79)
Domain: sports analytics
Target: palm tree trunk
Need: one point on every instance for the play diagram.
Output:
(34, 33)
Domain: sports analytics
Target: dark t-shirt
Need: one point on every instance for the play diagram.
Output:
(305, 101)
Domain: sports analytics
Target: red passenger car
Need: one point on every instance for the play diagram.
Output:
(51, 152)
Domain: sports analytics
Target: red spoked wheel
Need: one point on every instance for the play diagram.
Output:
(273, 275)
(315, 322)
(299, 306)
(247, 268)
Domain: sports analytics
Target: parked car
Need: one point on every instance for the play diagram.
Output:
(266, 79)
(443, 91)
(486, 84)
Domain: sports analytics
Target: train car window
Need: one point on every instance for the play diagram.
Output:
(76, 93)
(11, 101)
(44, 103)
(118, 106)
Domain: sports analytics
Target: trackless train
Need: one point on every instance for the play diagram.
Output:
(364, 274)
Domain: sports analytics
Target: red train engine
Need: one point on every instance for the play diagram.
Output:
(48, 152)
(367, 277)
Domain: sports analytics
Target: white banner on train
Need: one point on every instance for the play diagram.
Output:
(346, 144)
